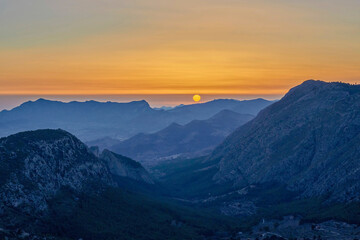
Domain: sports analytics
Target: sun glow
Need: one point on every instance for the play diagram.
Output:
(172, 47)
(196, 98)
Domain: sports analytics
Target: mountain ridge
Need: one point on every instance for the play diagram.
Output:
(93, 120)
(195, 138)
(296, 140)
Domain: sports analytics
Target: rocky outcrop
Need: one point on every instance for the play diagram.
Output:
(309, 140)
(35, 165)
(125, 167)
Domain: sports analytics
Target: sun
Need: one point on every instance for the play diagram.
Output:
(196, 98)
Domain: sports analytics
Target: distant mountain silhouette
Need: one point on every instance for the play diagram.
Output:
(309, 141)
(199, 137)
(93, 120)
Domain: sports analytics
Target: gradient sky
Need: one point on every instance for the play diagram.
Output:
(176, 47)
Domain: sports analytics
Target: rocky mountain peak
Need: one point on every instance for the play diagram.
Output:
(308, 140)
(317, 88)
(35, 165)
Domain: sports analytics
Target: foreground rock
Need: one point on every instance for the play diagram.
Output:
(36, 165)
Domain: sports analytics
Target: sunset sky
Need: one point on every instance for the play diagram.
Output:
(259, 47)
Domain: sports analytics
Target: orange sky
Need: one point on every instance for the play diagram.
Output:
(176, 47)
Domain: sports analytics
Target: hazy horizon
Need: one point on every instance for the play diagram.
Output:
(155, 100)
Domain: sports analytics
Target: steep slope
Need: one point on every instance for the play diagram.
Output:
(35, 166)
(309, 141)
(95, 120)
(196, 138)
(53, 187)
(125, 167)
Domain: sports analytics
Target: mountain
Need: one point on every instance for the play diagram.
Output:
(94, 120)
(87, 120)
(199, 137)
(212, 107)
(308, 141)
(53, 187)
(292, 171)
(36, 165)
(186, 113)
(125, 167)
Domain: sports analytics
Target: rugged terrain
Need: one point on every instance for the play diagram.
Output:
(53, 187)
(308, 141)
(197, 138)
(125, 167)
(36, 165)
(298, 158)
(292, 171)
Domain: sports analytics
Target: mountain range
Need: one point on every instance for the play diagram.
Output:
(93, 120)
(297, 160)
(197, 138)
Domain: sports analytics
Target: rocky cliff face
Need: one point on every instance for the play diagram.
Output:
(125, 167)
(35, 165)
(53, 187)
(309, 140)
